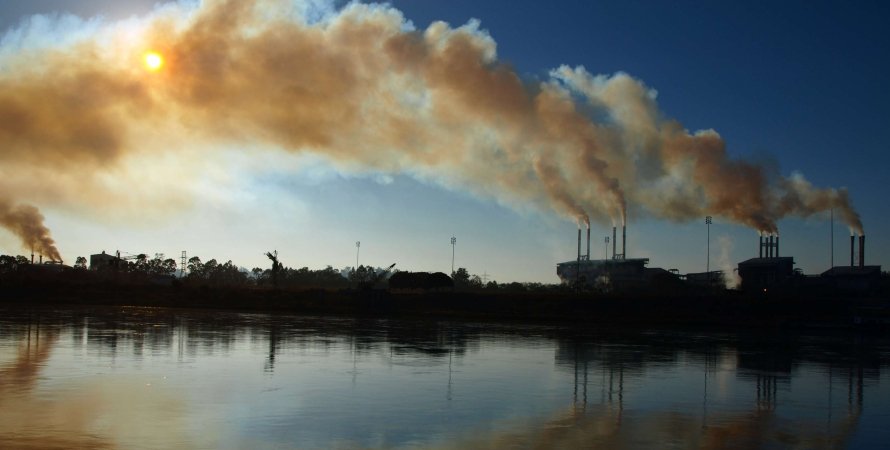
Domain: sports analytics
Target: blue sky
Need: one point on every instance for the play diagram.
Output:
(797, 85)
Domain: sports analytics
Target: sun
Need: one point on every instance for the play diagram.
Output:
(153, 61)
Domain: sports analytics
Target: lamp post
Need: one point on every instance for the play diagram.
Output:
(358, 245)
(453, 241)
(708, 265)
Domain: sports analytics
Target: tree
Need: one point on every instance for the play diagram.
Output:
(195, 267)
(80, 263)
(276, 267)
(461, 277)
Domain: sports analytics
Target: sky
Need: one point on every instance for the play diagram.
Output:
(795, 89)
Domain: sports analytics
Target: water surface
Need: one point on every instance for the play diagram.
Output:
(160, 378)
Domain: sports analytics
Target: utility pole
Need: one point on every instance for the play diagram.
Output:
(453, 242)
(358, 245)
(708, 266)
(832, 238)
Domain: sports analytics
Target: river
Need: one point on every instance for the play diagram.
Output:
(134, 378)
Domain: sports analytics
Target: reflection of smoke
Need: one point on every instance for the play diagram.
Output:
(92, 412)
(730, 276)
(26, 222)
(368, 92)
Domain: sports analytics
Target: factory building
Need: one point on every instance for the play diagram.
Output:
(103, 261)
(855, 278)
(768, 270)
(616, 274)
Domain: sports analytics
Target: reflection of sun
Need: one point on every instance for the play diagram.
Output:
(153, 61)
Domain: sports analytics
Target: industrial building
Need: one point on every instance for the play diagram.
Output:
(618, 273)
(768, 270)
(855, 278)
(767, 273)
(103, 260)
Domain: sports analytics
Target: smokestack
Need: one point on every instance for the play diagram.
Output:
(623, 241)
(769, 246)
(41, 259)
(852, 247)
(588, 242)
(861, 250)
(777, 246)
(761, 246)
(579, 244)
(32, 255)
(614, 241)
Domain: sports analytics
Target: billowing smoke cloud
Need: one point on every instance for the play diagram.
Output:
(365, 90)
(26, 222)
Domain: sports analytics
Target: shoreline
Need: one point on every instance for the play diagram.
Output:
(722, 310)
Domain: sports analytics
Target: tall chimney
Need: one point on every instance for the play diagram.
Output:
(579, 244)
(861, 250)
(41, 259)
(623, 241)
(614, 241)
(769, 248)
(777, 246)
(852, 247)
(761, 246)
(32, 256)
(588, 242)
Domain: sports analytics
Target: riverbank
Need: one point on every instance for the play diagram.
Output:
(712, 310)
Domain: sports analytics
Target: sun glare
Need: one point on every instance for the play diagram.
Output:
(153, 61)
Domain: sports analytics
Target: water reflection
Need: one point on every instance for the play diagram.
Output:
(152, 378)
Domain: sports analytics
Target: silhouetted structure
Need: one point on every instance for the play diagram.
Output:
(420, 281)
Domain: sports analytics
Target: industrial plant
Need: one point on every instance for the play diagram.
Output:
(767, 272)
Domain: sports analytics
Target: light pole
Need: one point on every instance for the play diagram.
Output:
(453, 242)
(358, 245)
(708, 266)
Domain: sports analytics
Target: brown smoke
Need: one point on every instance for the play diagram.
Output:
(26, 222)
(369, 94)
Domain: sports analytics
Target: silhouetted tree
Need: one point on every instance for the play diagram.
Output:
(276, 267)
(80, 263)
(461, 277)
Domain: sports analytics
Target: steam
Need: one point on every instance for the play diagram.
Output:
(365, 90)
(731, 278)
(26, 222)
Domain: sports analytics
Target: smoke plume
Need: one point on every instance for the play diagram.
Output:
(365, 90)
(26, 222)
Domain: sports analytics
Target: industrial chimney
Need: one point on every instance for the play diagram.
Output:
(579, 243)
(588, 242)
(623, 241)
(777, 246)
(861, 250)
(614, 241)
(852, 248)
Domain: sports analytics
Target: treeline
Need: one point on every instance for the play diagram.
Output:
(212, 273)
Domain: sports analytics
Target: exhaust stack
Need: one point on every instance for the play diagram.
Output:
(614, 242)
(579, 244)
(861, 250)
(777, 246)
(761, 246)
(852, 248)
(623, 241)
(588, 242)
